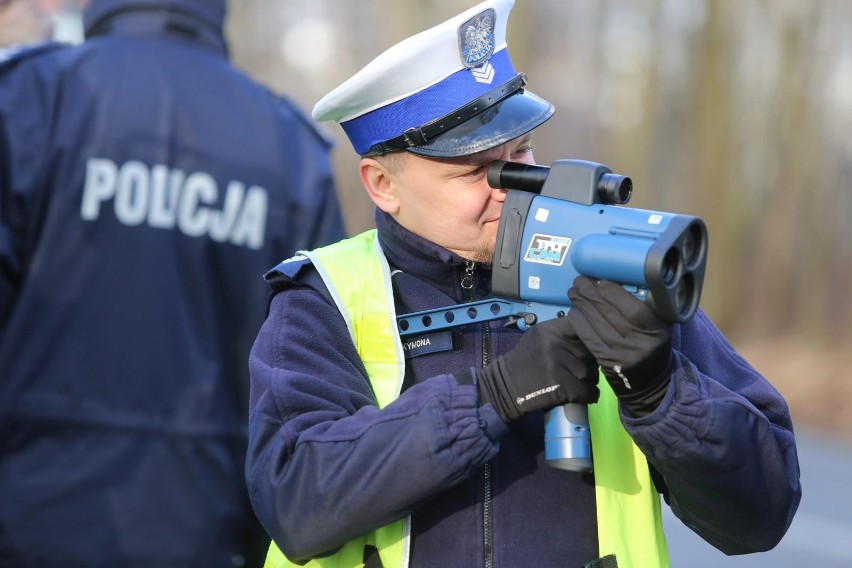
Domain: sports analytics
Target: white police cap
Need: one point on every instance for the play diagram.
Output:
(448, 91)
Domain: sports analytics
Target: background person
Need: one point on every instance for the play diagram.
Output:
(145, 187)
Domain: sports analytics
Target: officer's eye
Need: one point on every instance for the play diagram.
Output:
(475, 171)
(522, 151)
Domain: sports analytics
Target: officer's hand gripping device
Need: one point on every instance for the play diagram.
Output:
(563, 221)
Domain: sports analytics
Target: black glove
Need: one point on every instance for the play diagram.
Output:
(630, 342)
(548, 367)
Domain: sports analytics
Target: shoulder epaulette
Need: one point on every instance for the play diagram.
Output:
(288, 268)
(285, 274)
(294, 272)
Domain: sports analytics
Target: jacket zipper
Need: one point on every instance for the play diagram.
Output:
(487, 527)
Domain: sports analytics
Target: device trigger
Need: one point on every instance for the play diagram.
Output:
(522, 320)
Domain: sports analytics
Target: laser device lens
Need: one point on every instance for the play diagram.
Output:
(692, 245)
(670, 269)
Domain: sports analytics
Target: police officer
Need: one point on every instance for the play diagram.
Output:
(367, 450)
(145, 186)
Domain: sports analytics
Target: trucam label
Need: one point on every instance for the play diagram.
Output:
(548, 249)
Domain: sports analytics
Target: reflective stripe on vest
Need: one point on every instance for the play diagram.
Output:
(628, 507)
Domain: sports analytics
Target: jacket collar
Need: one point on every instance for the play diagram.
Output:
(425, 260)
(160, 22)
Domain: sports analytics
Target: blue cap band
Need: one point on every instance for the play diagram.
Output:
(437, 100)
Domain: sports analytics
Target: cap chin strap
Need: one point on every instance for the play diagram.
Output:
(422, 134)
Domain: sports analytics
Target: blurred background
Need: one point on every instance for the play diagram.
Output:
(736, 111)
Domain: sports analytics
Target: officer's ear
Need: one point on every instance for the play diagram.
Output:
(377, 175)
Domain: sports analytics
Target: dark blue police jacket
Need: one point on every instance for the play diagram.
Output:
(145, 187)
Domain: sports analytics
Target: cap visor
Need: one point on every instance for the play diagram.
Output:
(496, 125)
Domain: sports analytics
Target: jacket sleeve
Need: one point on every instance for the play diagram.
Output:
(325, 464)
(723, 442)
(11, 259)
(23, 126)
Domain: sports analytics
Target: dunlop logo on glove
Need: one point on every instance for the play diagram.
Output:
(532, 395)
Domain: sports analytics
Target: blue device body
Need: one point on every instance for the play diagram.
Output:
(545, 241)
(565, 221)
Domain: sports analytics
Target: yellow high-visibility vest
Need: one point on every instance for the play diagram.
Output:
(358, 278)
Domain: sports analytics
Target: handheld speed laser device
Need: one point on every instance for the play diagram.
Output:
(567, 220)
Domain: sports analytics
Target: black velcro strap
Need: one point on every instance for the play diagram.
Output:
(607, 561)
(464, 376)
(371, 557)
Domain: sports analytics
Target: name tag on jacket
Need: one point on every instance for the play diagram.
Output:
(427, 343)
